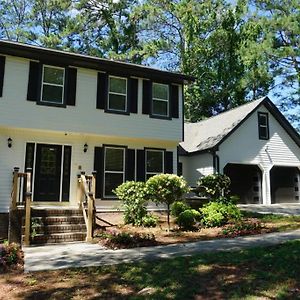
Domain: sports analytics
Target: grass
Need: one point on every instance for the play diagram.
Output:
(258, 273)
(278, 222)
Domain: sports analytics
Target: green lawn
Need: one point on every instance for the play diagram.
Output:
(259, 273)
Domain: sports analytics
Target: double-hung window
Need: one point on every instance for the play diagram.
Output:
(154, 162)
(117, 94)
(53, 79)
(160, 100)
(114, 169)
(263, 126)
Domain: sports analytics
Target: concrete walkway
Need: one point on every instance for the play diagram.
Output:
(83, 255)
(278, 209)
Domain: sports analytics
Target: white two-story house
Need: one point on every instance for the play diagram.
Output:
(63, 113)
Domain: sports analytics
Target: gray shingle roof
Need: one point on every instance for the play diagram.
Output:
(209, 133)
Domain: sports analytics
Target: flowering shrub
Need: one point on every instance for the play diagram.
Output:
(213, 186)
(166, 189)
(242, 228)
(116, 240)
(134, 197)
(10, 254)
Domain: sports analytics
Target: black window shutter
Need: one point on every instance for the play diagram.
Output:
(29, 159)
(130, 165)
(34, 81)
(147, 96)
(169, 162)
(66, 173)
(2, 70)
(102, 90)
(98, 166)
(140, 172)
(132, 95)
(70, 86)
(174, 97)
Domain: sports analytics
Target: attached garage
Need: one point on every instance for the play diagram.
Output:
(284, 184)
(245, 182)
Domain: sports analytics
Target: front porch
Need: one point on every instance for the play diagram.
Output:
(39, 223)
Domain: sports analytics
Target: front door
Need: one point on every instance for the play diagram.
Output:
(47, 172)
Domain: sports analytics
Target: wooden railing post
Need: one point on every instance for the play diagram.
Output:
(14, 226)
(27, 208)
(89, 233)
(86, 189)
(15, 188)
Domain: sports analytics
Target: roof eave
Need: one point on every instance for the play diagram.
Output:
(85, 61)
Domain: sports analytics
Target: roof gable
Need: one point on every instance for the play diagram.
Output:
(210, 133)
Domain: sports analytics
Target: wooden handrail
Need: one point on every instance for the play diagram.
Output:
(15, 199)
(86, 193)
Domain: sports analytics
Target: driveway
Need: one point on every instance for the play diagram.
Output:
(280, 209)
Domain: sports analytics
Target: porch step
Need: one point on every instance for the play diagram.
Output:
(56, 226)
(57, 220)
(38, 212)
(55, 238)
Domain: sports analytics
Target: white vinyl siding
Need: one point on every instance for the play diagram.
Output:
(83, 118)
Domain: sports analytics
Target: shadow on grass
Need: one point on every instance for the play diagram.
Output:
(269, 273)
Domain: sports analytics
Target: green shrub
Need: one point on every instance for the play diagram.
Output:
(188, 218)
(178, 207)
(118, 240)
(166, 189)
(213, 186)
(134, 197)
(215, 214)
(242, 228)
(10, 254)
(149, 220)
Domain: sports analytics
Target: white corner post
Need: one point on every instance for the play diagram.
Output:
(266, 187)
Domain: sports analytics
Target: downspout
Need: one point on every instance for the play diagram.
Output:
(216, 160)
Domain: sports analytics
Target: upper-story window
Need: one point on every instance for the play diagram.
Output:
(160, 100)
(154, 162)
(53, 84)
(263, 126)
(117, 94)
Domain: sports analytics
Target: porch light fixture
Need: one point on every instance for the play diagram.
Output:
(9, 142)
(85, 147)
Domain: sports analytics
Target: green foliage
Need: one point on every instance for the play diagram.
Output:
(213, 186)
(242, 228)
(134, 197)
(178, 207)
(188, 218)
(10, 254)
(127, 240)
(166, 188)
(149, 220)
(215, 214)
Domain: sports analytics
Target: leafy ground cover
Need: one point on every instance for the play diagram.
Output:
(160, 235)
(258, 273)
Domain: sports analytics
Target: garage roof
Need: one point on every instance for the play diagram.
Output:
(210, 133)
